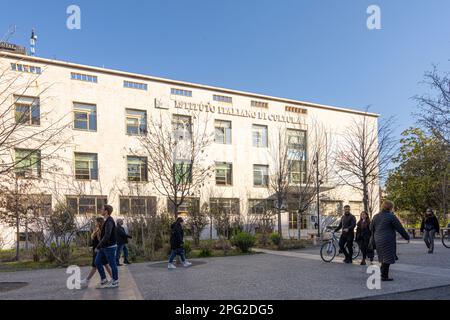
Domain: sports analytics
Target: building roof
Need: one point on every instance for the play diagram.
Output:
(185, 84)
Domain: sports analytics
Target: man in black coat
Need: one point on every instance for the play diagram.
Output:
(122, 241)
(429, 228)
(347, 224)
(176, 244)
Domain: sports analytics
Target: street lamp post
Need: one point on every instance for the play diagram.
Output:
(318, 183)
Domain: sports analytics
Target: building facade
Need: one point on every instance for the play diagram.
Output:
(107, 110)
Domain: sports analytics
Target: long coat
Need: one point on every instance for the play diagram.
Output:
(176, 236)
(383, 228)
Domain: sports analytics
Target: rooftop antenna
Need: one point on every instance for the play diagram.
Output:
(33, 40)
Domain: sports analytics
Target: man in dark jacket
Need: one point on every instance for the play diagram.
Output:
(122, 241)
(107, 249)
(347, 224)
(176, 244)
(383, 228)
(429, 228)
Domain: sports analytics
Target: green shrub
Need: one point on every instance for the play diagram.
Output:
(275, 238)
(187, 247)
(262, 239)
(205, 249)
(244, 241)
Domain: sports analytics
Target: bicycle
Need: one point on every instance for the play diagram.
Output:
(328, 250)
(446, 239)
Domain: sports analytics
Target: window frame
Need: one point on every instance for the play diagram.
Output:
(96, 168)
(264, 177)
(141, 168)
(77, 109)
(228, 174)
(263, 144)
(227, 132)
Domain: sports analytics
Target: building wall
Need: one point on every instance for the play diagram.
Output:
(112, 144)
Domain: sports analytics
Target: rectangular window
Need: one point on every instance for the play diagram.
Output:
(182, 127)
(85, 116)
(27, 110)
(260, 175)
(137, 169)
(331, 207)
(87, 204)
(86, 166)
(293, 220)
(297, 144)
(25, 68)
(138, 205)
(225, 206)
(136, 122)
(135, 85)
(222, 131)
(28, 163)
(261, 206)
(296, 110)
(222, 98)
(297, 171)
(180, 92)
(188, 206)
(224, 174)
(259, 104)
(83, 77)
(183, 173)
(260, 139)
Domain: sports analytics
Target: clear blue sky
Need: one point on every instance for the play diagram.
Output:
(312, 50)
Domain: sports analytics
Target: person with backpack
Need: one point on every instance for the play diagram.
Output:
(122, 241)
(176, 244)
(429, 228)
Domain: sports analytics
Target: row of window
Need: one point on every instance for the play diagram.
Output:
(28, 165)
(85, 118)
(144, 86)
(25, 68)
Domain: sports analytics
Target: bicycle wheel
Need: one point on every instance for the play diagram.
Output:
(356, 250)
(446, 240)
(328, 251)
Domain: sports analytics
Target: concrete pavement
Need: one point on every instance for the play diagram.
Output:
(272, 275)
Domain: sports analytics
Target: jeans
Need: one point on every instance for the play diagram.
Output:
(110, 255)
(428, 237)
(346, 242)
(121, 247)
(175, 252)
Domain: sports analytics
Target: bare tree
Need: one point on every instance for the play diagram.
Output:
(176, 148)
(364, 155)
(23, 124)
(434, 112)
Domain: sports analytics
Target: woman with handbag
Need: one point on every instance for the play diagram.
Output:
(363, 235)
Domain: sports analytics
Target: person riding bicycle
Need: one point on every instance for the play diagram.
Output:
(347, 224)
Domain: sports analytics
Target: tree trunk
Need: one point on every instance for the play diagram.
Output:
(280, 231)
(18, 236)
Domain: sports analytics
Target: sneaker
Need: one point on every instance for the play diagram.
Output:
(103, 284)
(187, 264)
(430, 251)
(127, 262)
(387, 279)
(112, 284)
(363, 263)
(84, 283)
(171, 266)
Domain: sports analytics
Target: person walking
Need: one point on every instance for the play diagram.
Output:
(347, 224)
(429, 228)
(106, 249)
(122, 241)
(363, 237)
(95, 240)
(176, 244)
(384, 227)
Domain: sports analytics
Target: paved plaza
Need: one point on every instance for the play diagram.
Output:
(287, 275)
